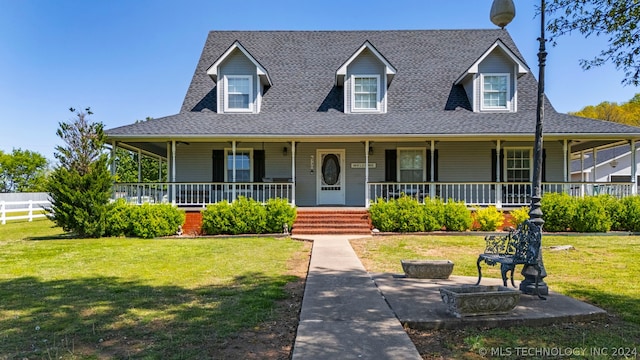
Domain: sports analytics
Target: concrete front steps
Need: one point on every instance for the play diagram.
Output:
(332, 221)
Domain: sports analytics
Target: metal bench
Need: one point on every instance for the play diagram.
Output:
(520, 246)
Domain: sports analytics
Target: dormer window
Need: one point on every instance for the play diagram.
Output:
(366, 76)
(495, 91)
(366, 93)
(491, 82)
(243, 81)
(238, 93)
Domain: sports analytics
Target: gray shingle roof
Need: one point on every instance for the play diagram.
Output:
(304, 101)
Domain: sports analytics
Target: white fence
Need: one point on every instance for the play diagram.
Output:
(33, 208)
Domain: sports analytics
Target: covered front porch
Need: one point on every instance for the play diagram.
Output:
(356, 172)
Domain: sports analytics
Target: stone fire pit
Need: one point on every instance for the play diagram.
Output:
(464, 301)
(427, 269)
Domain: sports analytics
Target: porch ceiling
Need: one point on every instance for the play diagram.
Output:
(159, 146)
(583, 145)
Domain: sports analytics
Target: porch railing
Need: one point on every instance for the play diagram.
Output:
(471, 193)
(490, 193)
(200, 194)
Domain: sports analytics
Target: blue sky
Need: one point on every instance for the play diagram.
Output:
(129, 59)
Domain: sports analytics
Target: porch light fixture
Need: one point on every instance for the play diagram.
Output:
(284, 151)
(370, 150)
(614, 163)
(502, 12)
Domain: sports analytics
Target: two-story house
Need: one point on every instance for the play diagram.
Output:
(346, 117)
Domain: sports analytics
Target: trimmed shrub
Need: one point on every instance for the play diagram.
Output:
(217, 218)
(384, 215)
(518, 216)
(616, 211)
(247, 216)
(145, 221)
(559, 211)
(118, 219)
(591, 215)
(434, 214)
(153, 220)
(630, 219)
(411, 215)
(456, 216)
(406, 214)
(279, 212)
(489, 218)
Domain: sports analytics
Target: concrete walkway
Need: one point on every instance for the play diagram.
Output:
(348, 313)
(343, 315)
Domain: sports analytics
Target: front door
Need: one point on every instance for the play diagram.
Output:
(330, 170)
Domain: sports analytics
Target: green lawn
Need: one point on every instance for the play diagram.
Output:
(122, 297)
(602, 270)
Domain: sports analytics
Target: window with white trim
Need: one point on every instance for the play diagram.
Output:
(365, 95)
(243, 162)
(411, 164)
(239, 93)
(495, 92)
(518, 164)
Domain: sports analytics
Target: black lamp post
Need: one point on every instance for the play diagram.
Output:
(502, 12)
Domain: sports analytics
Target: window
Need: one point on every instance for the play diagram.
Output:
(243, 165)
(239, 94)
(365, 93)
(495, 91)
(518, 164)
(411, 165)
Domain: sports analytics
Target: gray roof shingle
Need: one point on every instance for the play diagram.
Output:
(304, 101)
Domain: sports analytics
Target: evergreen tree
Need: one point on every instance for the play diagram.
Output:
(81, 184)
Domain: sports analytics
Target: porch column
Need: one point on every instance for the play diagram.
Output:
(565, 167)
(634, 168)
(293, 173)
(168, 179)
(173, 172)
(233, 168)
(139, 192)
(498, 177)
(582, 179)
(366, 174)
(113, 158)
(432, 170)
(595, 165)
